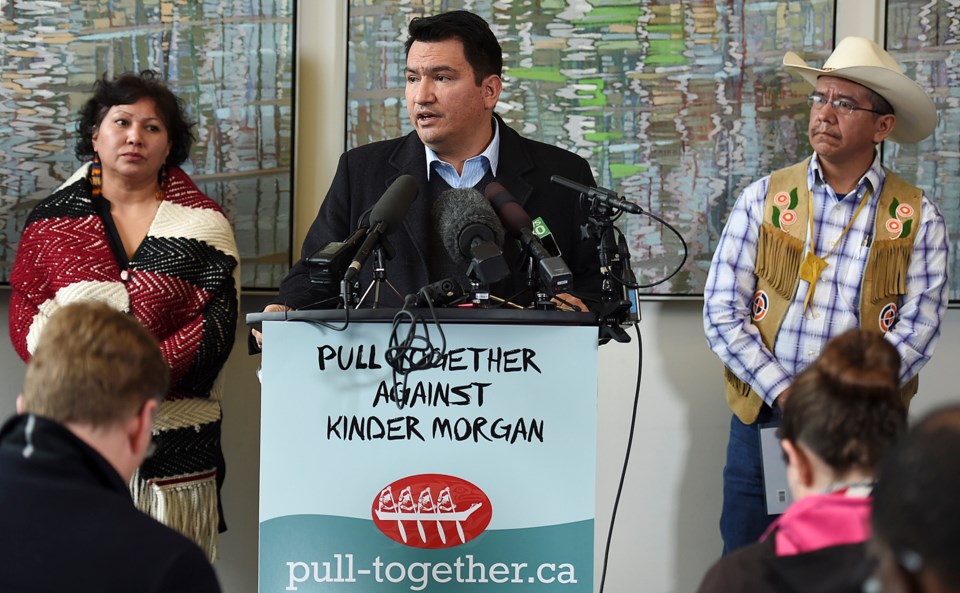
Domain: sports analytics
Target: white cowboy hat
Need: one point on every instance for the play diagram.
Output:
(864, 62)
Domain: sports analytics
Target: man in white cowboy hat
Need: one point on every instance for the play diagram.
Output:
(831, 243)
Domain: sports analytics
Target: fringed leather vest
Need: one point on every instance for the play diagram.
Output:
(780, 251)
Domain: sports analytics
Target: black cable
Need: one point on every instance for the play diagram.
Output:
(626, 458)
(672, 274)
(414, 352)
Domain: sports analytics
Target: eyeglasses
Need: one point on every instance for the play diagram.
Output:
(841, 106)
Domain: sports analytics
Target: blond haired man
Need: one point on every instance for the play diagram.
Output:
(89, 397)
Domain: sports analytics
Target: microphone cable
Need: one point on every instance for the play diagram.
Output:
(584, 203)
(634, 285)
(626, 459)
(414, 352)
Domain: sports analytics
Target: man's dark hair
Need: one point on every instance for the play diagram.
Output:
(127, 89)
(878, 103)
(916, 502)
(480, 45)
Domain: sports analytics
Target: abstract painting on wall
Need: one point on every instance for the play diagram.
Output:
(677, 104)
(925, 41)
(231, 62)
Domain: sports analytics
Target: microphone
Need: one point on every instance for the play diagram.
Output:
(602, 195)
(471, 231)
(329, 263)
(554, 273)
(386, 216)
(543, 232)
(440, 293)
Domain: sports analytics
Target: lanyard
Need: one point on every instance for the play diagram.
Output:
(813, 266)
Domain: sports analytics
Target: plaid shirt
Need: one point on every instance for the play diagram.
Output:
(731, 284)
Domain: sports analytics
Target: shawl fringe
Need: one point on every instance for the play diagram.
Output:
(187, 504)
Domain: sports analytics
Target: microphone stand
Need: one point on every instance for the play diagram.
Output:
(614, 308)
(479, 293)
(541, 300)
(379, 279)
(480, 296)
(479, 290)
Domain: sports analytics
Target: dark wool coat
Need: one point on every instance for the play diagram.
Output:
(525, 167)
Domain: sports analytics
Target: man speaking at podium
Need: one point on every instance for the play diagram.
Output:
(453, 83)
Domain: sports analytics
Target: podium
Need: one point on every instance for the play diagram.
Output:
(478, 475)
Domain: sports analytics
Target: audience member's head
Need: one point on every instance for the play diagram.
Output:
(842, 414)
(101, 374)
(916, 510)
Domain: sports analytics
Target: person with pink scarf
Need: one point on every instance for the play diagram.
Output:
(844, 413)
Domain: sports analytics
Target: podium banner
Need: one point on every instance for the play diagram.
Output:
(479, 475)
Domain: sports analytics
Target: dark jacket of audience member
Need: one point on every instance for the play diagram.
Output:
(68, 523)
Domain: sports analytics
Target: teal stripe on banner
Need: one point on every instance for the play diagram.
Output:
(316, 553)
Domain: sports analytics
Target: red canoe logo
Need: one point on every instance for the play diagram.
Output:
(431, 511)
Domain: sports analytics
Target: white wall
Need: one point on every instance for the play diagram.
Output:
(666, 532)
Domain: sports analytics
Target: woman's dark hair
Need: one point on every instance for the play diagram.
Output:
(126, 89)
(916, 509)
(480, 45)
(846, 406)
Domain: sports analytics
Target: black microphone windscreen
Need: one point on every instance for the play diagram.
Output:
(508, 209)
(392, 206)
(456, 210)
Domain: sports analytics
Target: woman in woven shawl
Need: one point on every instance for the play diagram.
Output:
(131, 229)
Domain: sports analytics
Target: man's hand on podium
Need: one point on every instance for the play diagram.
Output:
(275, 308)
(567, 300)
